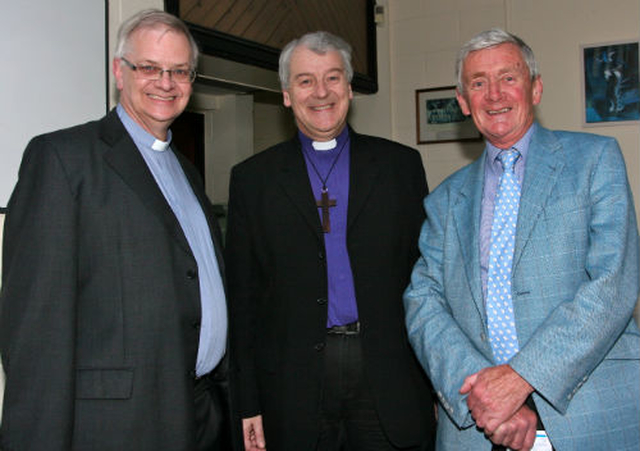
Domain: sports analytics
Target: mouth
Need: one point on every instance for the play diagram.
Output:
(500, 111)
(162, 98)
(322, 107)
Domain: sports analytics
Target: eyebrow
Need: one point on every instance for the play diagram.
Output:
(310, 74)
(155, 63)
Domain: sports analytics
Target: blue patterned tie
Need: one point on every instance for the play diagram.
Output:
(499, 305)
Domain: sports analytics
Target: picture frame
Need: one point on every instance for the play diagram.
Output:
(337, 17)
(610, 83)
(439, 118)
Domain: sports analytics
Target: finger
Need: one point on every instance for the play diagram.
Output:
(468, 383)
(259, 436)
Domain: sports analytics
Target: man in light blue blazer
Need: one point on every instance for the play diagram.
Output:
(572, 283)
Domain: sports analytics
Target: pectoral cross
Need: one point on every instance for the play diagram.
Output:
(325, 203)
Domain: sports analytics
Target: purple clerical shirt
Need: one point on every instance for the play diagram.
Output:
(342, 297)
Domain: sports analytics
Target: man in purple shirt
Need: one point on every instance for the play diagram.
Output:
(322, 235)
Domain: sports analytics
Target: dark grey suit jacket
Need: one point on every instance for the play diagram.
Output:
(277, 279)
(100, 304)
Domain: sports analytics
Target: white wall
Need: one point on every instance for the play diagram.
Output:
(51, 78)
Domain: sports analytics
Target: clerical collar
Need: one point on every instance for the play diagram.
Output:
(324, 146)
(139, 135)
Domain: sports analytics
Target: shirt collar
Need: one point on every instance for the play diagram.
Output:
(139, 135)
(522, 146)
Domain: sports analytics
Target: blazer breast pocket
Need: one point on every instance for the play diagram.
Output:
(105, 383)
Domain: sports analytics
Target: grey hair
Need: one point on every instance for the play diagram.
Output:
(149, 19)
(491, 38)
(319, 42)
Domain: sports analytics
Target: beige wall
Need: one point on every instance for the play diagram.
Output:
(424, 37)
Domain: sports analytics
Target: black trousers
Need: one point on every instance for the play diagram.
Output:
(349, 420)
(211, 416)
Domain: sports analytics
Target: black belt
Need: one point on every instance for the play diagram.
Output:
(347, 329)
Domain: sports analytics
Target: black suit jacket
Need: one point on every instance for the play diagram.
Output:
(100, 304)
(277, 278)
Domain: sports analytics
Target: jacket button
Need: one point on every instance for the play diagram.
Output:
(319, 347)
(196, 325)
(321, 255)
(191, 274)
(321, 301)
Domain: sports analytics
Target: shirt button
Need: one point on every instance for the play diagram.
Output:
(319, 347)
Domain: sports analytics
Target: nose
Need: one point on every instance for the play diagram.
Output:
(166, 80)
(494, 91)
(321, 89)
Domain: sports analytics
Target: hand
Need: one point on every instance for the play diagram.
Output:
(253, 434)
(518, 432)
(494, 395)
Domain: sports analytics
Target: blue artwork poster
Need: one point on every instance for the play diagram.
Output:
(611, 83)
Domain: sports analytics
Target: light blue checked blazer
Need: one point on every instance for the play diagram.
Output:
(575, 285)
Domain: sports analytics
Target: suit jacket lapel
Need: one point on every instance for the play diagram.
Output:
(544, 165)
(466, 215)
(363, 172)
(125, 159)
(294, 180)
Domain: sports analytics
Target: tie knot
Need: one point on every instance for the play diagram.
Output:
(508, 158)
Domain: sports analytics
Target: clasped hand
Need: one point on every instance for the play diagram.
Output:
(496, 397)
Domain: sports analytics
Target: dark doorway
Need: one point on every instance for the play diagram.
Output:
(188, 138)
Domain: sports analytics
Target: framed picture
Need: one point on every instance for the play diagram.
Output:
(253, 32)
(439, 118)
(611, 86)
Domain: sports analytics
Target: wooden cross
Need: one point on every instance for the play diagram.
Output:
(325, 203)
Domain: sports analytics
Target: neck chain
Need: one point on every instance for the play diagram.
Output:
(333, 165)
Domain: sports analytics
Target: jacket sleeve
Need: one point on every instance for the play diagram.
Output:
(243, 286)
(441, 345)
(37, 305)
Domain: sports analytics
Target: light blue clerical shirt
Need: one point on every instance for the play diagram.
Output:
(173, 183)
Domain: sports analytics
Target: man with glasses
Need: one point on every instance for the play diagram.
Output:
(113, 320)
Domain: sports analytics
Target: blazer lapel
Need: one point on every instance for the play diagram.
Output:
(363, 172)
(125, 159)
(466, 216)
(541, 174)
(293, 178)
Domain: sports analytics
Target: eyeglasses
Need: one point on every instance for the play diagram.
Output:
(149, 72)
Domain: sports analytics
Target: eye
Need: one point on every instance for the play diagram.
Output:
(477, 84)
(149, 70)
(180, 72)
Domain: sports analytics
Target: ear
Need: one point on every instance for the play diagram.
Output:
(286, 99)
(117, 72)
(536, 90)
(462, 101)
(350, 92)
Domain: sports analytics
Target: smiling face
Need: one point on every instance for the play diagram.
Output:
(499, 93)
(318, 92)
(154, 104)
